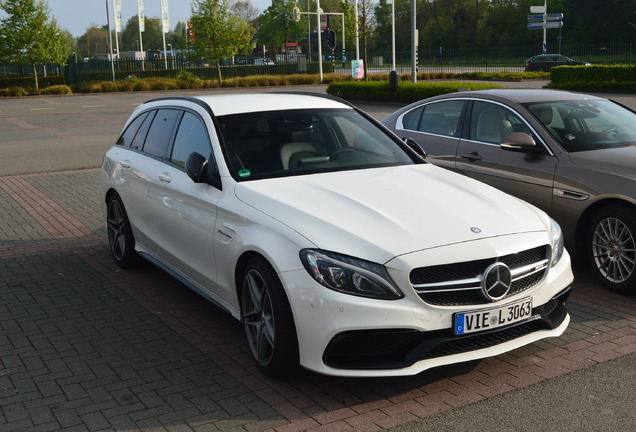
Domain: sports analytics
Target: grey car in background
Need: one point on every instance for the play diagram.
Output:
(572, 155)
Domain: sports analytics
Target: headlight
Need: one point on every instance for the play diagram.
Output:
(556, 240)
(350, 275)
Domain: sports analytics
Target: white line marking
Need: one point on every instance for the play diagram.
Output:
(93, 106)
(40, 109)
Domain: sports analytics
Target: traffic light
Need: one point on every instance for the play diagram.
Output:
(331, 39)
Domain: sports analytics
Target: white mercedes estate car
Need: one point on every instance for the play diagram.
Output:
(334, 243)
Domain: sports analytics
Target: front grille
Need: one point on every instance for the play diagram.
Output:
(459, 284)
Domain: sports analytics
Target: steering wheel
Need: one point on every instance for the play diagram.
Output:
(338, 153)
(610, 133)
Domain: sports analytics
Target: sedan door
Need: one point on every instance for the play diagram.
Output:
(529, 176)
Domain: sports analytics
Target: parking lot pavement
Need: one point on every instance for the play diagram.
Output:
(86, 346)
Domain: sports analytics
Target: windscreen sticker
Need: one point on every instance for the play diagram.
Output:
(244, 173)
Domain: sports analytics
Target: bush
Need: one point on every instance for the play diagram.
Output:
(406, 92)
(594, 78)
(56, 90)
(16, 91)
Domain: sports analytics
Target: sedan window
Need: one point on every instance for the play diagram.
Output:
(491, 122)
(160, 133)
(192, 136)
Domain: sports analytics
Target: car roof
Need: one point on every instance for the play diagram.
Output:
(525, 95)
(256, 102)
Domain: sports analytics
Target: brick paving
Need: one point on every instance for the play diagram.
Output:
(85, 346)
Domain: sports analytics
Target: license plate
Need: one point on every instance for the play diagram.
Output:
(487, 319)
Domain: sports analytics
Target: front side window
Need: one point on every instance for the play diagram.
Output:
(192, 136)
(282, 143)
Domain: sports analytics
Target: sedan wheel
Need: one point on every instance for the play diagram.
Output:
(267, 319)
(612, 248)
(120, 238)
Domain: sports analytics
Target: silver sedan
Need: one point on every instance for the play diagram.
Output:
(572, 155)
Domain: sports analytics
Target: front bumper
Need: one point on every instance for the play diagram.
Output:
(402, 348)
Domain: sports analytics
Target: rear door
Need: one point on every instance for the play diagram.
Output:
(527, 176)
(436, 127)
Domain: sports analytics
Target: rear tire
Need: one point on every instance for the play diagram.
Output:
(611, 247)
(268, 321)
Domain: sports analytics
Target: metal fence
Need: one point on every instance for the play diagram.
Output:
(379, 60)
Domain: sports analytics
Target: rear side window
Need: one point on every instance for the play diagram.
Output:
(129, 134)
(160, 133)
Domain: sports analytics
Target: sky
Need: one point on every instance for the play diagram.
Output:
(78, 15)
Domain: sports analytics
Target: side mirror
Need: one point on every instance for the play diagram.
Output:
(519, 142)
(200, 170)
(413, 145)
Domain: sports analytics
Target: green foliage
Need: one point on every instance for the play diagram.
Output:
(28, 35)
(188, 77)
(276, 25)
(406, 91)
(594, 78)
(219, 33)
(56, 90)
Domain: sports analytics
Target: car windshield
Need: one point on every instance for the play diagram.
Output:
(582, 125)
(283, 143)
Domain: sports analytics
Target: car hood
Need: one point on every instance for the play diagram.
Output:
(377, 214)
(617, 161)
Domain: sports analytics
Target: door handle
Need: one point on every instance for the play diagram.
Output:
(125, 164)
(472, 156)
(165, 177)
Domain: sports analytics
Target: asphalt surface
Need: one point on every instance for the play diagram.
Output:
(85, 346)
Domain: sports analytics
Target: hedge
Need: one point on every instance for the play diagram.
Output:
(405, 92)
(594, 78)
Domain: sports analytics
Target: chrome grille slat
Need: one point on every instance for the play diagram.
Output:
(460, 283)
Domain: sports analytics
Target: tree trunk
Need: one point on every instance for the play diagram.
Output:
(35, 76)
(218, 73)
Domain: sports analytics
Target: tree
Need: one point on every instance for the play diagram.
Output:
(245, 10)
(276, 25)
(93, 41)
(29, 35)
(218, 32)
(152, 37)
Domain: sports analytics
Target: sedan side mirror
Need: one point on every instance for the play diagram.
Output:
(413, 145)
(200, 170)
(519, 142)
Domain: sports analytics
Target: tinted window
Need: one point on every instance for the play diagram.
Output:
(160, 132)
(192, 136)
(140, 137)
(411, 119)
(128, 136)
(441, 118)
(278, 143)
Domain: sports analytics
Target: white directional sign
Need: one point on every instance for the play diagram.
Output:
(548, 17)
(537, 9)
(548, 25)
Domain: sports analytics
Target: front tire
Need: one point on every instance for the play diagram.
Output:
(120, 237)
(611, 247)
(268, 321)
